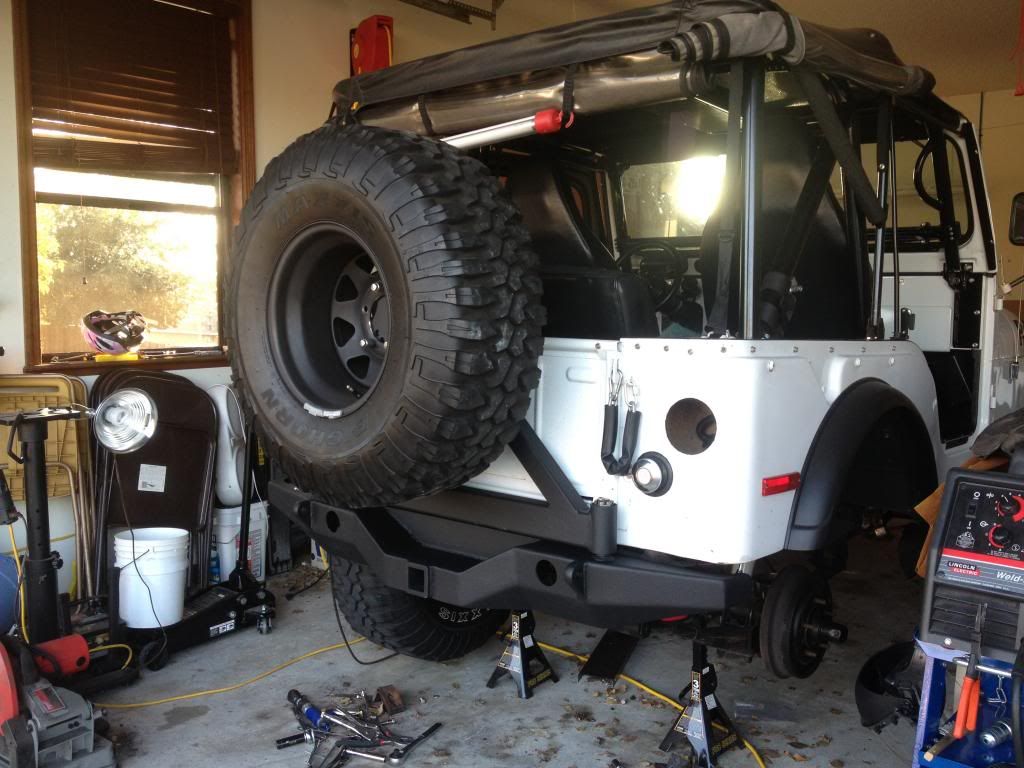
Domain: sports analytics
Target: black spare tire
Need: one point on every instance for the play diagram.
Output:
(383, 315)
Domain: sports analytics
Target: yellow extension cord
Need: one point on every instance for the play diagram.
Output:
(131, 653)
(21, 583)
(236, 686)
(650, 691)
(554, 649)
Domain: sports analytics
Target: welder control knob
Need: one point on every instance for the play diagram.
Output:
(999, 536)
(652, 474)
(1007, 505)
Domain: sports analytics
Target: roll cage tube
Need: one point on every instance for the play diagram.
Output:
(742, 177)
(718, 319)
(873, 202)
(753, 97)
(883, 142)
(947, 215)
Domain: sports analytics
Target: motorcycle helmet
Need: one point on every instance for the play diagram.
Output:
(114, 333)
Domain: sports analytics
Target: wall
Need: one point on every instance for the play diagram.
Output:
(11, 324)
(301, 51)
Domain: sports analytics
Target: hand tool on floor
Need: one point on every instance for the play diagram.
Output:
(318, 726)
(400, 754)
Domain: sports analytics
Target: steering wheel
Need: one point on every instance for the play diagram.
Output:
(665, 278)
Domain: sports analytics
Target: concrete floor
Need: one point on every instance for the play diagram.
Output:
(808, 722)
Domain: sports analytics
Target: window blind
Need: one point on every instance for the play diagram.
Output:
(132, 85)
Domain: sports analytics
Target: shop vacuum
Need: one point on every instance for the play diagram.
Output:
(972, 624)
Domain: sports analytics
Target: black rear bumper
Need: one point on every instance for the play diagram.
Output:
(484, 565)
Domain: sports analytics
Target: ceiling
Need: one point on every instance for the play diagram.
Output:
(966, 44)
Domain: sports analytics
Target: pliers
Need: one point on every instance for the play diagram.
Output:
(970, 693)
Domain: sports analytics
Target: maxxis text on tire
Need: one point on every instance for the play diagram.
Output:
(414, 626)
(383, 315)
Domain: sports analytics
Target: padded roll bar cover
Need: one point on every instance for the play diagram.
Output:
(557, 234)
(834, 450)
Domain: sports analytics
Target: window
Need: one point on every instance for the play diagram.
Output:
(140, 134)
(672, 199)
(919, 221)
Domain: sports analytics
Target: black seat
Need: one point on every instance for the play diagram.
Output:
(585, 294)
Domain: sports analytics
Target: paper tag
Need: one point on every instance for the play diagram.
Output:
(152, 477)
(528, 641)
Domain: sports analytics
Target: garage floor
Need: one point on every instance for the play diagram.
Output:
(811, 722)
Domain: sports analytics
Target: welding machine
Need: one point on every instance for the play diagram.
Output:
(972, 623)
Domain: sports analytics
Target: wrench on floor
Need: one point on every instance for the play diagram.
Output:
(398, 755)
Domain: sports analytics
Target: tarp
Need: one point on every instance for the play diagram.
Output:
(690, 30)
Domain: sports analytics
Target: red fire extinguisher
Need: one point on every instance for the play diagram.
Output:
(371, 44)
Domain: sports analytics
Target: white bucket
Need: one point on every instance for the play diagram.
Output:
(227, 524)
(158, 561)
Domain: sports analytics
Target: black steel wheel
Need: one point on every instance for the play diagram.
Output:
(796, 623)
(334, 358)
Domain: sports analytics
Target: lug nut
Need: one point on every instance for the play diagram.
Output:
(374, 287)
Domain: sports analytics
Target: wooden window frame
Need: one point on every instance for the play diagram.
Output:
(238, 190)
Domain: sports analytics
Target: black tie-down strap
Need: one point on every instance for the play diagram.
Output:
(610, 437)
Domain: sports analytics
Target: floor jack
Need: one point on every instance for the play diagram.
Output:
(237, 602)
(702, 724)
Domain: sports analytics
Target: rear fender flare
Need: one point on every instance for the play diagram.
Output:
(834, 450)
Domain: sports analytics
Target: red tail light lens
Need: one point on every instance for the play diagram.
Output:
(780, 484)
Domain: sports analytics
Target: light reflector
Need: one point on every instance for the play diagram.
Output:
(780, 484)
(125, 421)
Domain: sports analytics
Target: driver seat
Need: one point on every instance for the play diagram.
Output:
(586, 295)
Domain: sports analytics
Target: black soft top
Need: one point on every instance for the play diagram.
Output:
(692, 30)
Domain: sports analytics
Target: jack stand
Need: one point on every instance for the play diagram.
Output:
(703, 723)
(522, 658)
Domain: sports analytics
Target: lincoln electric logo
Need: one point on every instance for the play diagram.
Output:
(1015, 578)
(964, 569)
